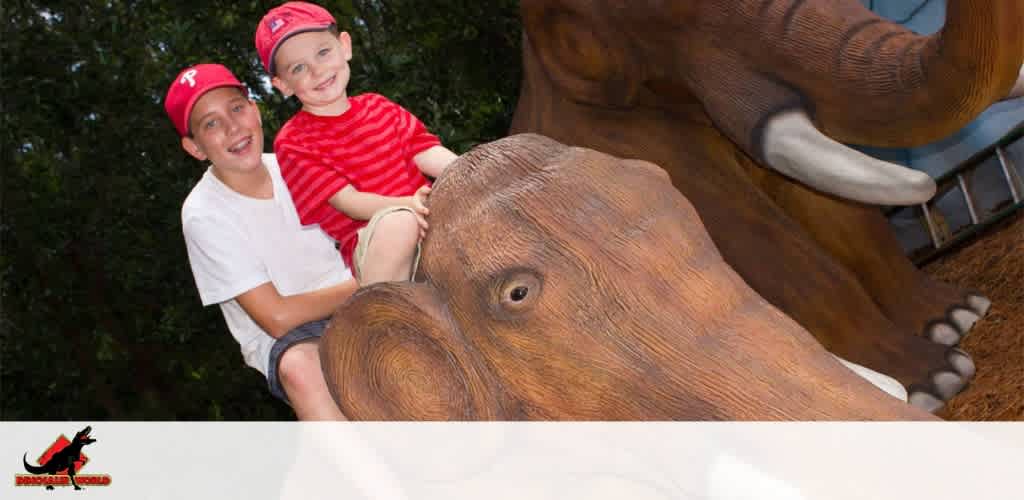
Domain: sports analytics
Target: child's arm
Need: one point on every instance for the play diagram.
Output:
(278, 315)
(361, 206)
(432, 161)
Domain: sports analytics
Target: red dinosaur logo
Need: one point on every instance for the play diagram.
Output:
(60, 463)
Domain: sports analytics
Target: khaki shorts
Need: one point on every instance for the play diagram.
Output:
(365, 234)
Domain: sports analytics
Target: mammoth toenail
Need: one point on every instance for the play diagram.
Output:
(979, 303)
(925, 401)
(961, 362)
(944, 333)
(948, 384)
(963, 319)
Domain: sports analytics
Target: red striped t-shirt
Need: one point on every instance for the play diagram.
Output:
(369, 146)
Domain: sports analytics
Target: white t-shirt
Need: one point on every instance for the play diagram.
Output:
(236, 243)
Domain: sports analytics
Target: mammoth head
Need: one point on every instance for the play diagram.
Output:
(788, 81)
(563, 283)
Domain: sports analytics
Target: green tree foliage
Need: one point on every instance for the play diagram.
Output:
(100, 317)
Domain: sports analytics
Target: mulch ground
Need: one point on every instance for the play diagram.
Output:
(994, 265)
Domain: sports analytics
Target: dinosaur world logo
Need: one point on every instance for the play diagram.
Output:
(59, 465)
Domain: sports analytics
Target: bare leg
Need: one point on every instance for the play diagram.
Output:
(391, 249)
(303, 382)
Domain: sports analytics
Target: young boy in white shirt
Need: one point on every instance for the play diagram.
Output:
(276, 281)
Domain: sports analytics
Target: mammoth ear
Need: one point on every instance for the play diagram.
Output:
(580, 52)
(392, 352)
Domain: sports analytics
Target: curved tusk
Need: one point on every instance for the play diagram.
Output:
(1018, 88)
(794, 147)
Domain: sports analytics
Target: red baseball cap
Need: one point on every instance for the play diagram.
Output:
(284, 21)
(189, 86)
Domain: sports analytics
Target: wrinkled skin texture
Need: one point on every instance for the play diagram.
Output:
(691, 85)
(562, 283)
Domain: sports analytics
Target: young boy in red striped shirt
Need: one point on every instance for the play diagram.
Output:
(356, 166)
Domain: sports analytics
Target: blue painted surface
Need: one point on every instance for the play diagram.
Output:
(927, 17)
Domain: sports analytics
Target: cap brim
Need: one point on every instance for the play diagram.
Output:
(304, 29)
(195, 97)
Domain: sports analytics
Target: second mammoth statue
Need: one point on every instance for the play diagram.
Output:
(747, 104)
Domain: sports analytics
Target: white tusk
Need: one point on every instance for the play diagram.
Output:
(884, 382)
(1018, 88)
(794, 147)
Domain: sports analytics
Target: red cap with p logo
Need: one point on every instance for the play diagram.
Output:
(189, 86)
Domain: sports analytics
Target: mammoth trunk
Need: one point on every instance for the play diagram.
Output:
(908, 89)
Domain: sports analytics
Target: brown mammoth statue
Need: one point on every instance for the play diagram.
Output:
(747, 105)
(563, 283)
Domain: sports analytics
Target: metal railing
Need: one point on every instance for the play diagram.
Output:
(942, 237)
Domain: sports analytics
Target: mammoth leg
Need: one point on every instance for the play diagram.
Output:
(827, 300)
(859, 237)
(784, 264)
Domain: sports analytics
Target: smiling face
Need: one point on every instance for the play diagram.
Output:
(226, 130)
(313, 66)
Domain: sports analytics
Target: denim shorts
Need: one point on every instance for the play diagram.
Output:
(309, 332)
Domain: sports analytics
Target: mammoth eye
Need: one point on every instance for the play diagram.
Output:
(519, 291)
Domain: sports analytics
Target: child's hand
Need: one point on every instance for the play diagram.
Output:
(419, 201)
(423, 225)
